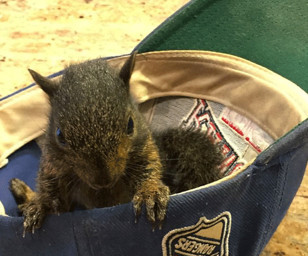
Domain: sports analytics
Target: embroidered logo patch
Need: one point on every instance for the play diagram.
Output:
(206, 237)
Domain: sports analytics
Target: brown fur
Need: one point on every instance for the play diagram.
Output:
(98, 150)
(22, 193)
(95, 152)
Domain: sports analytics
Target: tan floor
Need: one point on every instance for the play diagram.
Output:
(45, 35)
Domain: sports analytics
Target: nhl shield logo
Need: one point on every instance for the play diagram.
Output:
(206, 237)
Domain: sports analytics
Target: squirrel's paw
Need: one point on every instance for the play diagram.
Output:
(34, 215)
(155, 197)
(21, 191)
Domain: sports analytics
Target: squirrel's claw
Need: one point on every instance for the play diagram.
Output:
(33, 216)
(151, 209)
(155, 199)
(137, 202)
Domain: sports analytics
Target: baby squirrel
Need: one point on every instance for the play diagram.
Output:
(98, 150)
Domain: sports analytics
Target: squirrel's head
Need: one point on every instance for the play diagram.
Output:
(93, 121)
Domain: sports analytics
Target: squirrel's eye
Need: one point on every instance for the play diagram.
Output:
(130, 126)
(60, 137)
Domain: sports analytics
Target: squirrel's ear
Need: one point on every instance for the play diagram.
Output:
(127, 68)
(49, 86)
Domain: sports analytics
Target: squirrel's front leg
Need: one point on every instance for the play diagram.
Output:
(155, 196)
(150, 190)
(28, 203)
(35, 206)
(34, 213)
